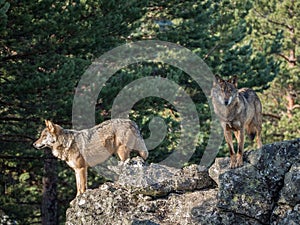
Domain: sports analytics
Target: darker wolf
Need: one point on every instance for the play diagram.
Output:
(238, 110)
(89, 147)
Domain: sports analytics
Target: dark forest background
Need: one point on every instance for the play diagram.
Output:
(45, 47)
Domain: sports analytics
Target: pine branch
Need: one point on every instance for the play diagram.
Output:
(20, 56)
(17, 119)
(15, 138)
(210, 52)
(272, 115)
(273, 21)
(284, 56)
(296, 107)
(13, 157)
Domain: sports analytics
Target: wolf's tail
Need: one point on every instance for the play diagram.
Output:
(254, 128)
(251, 131)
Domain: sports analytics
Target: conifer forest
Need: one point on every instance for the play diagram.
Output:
(46, 46)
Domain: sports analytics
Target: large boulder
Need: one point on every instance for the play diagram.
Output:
(290, 193)
(265, 190)
(254, 189)
(144, 195)
(159, 180)
(118, 206)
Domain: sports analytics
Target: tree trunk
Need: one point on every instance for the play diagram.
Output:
(290, 97)
(49, 202)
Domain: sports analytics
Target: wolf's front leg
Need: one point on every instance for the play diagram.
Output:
(81, 179)
(228, 139)
(240, 136)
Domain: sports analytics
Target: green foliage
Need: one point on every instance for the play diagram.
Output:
(275, 32)
(45, 48)
(47, 45)
(4, 6)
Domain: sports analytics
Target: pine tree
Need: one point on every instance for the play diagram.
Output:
(275, 23)
(45, 48)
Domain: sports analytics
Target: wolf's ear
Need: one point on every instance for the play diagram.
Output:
(47, 122)
(234, 80)
(50, 126)
(217, 80)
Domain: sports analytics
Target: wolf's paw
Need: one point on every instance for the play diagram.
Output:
(232, 162)
(239, 160)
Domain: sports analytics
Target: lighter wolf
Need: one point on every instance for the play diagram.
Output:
(89, 147)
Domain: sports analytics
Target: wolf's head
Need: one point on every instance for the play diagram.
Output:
(48, 136)
(225, 91)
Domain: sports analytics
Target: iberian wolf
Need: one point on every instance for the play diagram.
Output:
(89, 147)
(238, 110)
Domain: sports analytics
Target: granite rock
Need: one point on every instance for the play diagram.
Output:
(264, 191)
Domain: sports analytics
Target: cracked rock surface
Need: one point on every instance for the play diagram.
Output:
(266, 190)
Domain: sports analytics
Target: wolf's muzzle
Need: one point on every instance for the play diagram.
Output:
(37, 146)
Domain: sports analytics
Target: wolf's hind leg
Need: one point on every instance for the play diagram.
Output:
(143, 154)
(258, 136)
(123, 152)
(257, 123)
(251, 130)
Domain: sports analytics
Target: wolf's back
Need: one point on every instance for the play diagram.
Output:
(254, 108)
(121, 132)
(104, 139)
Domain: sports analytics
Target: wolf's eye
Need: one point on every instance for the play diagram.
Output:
(51, 138)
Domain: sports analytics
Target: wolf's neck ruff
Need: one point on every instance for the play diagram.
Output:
(64, 143)
(224, 112)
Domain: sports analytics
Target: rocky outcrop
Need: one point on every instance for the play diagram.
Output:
(266, 190)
